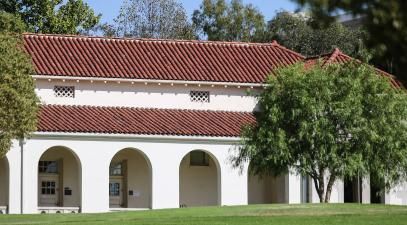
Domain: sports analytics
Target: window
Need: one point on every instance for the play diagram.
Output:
(48, 187)
(114, 189)
(199, 96)
(64, 91)
(115, 169)
(199, 158)
(48, 167)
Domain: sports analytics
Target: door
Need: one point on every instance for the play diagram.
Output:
(48, 190)
(116, 192)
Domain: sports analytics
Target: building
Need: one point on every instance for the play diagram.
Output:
(130, 124)
(351, 21)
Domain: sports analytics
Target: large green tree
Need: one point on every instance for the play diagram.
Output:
(53, 16)
(296, 32)
(218, 20)
(10, 23)
(329, 123)
(384, 20)
(18, 101)
(151, 19)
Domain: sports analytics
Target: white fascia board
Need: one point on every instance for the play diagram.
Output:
(147, 81)
(135, 137)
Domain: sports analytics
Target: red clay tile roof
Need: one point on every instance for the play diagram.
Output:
(337, 56)
(80, 56)
(121, 120)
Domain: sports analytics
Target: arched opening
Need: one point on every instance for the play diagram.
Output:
(377, 192)
(130, 180)
(59, 179)
(352, 188)
(266, 189)
(4, 185)
(306, 189)
(199, 180)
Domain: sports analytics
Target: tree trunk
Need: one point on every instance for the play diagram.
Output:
(331, 182)
(320, 186)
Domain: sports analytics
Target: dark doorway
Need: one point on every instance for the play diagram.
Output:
(376, 194)
(352, 190)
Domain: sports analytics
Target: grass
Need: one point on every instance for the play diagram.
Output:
(344, 214)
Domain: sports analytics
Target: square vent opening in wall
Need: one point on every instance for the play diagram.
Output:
(199, 96)
(64, 91)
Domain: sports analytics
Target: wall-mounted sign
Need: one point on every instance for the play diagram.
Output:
(67, 191)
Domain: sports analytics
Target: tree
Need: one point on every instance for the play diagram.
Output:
(11, 23)
(151, 19)
(329, 123)
(221, 21)
(384, 20)
(18, 102)
(53, 16)
(296, 32)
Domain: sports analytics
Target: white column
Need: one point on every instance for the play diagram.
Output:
(32, 153)
(14, 162)
(293, 188)
(165, 177)
(233, 185)
(366, 190)
(338, 194)
(95, 159)
(95, 183)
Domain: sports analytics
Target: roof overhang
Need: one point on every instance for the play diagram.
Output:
(134, 138)
(148, 81)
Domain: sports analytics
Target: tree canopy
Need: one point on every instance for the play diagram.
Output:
(329, 123)
(53, 16)
(221, 21)
(384, 20)
(296, 32)
(18, 101)
(10, 23)
(151, 19)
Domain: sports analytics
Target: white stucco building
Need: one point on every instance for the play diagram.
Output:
(131, 124)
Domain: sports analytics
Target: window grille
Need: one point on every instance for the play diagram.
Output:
(114, 189)
(48, 187)
(48, 167)
(115, 169)
(64, 91)
(199, 96)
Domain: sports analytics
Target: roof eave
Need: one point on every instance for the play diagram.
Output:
(134, 137)
(147, 81)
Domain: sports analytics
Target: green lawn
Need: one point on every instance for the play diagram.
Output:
(344, 214)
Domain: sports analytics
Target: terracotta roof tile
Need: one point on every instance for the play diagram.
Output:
(79, 56)
(337, 56)
(122, 120)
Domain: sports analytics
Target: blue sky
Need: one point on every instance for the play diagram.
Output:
(110, 8)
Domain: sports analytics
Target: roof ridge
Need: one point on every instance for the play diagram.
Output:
(334, 54)
(276, 44)
(237, 43)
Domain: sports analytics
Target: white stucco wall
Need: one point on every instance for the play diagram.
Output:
(165, 161)
(147, 96)
(397, 195)
(14, 181)
(165, 156)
